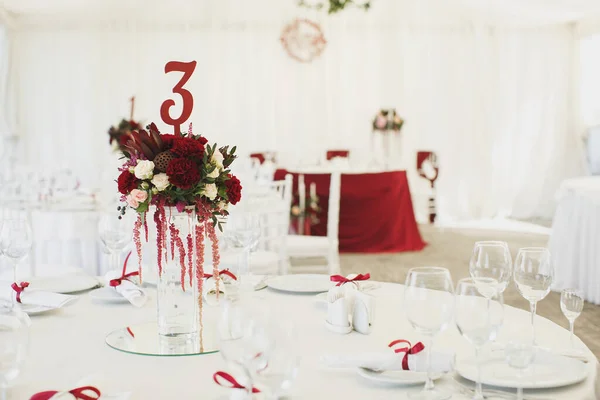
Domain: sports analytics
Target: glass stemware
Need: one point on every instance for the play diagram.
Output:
(16, 239)
(533, 275)
(429, 305)
(14, 341)
(116, 233)
(491, 261)
(478, 318)
(571, 305)
(520, 354)
(242, 231)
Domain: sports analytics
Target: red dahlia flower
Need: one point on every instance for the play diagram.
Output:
(187, 147)
(183, 173)
(234, 189)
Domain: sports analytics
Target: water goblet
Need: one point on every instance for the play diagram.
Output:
(14, 341)
(429, 305)
(571, 305)
(116, 233)
(242, 232)
(491, 261)
(533, 275)
(16, 239)
(478, 317)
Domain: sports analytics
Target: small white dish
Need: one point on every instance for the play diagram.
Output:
(68, 283)
(546, 371)
(108, 295)
(301, 283)
(31, 309)
(396, 378)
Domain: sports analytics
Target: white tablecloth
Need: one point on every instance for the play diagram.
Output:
(68, 345)
(575, 239)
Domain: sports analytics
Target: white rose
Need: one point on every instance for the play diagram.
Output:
(144, 169)
(210, 191)
(223, 205)
(217, 159)
(160, 181)
(215, 173)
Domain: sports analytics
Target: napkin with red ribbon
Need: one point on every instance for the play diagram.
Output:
(24, 294)
(352, 278)
(226, 380)
(209, 290)
(91, 387)
(122, 284)
(405, 356)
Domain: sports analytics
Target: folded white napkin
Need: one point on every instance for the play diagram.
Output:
(390, 361)
(34, 297)
(96, 381)
(133, 293)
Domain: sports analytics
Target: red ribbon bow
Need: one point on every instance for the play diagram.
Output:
(342, 279)
(233, 383)
(19, 289)
(417, 348)
(77, 392)
(124, 276)
(223, 272)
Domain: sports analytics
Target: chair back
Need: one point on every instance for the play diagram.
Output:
(593, 150)
(333, 221)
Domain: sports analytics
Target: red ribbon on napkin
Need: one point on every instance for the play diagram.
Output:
(228, 378)
(124, 276)
(79, 394)
(19, 289)
(409, 349)
(342, 279)
(223, 272)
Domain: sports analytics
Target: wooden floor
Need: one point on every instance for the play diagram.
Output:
(452, 249)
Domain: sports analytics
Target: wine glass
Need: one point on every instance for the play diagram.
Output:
(429, 305)
(478, 317)
(242, 231)
(116, 233)
(519, 354)
(491, 259)
(533, 275)
(14, 341)
(571, 305)
(16, 239)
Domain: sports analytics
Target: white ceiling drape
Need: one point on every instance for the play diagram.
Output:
(492, 101)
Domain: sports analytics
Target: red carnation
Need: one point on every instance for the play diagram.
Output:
(187, 147)
(202, 140)
(167, 140)
(234, 189)
(126, 182)
(183, 173)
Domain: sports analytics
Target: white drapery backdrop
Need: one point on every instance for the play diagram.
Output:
(494, 101)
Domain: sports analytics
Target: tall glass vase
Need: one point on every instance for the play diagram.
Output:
(177, 294)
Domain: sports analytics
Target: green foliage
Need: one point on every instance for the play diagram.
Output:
(335, 6)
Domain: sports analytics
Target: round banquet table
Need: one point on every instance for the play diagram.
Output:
(376, 210)
(68, 345)
(575, 239)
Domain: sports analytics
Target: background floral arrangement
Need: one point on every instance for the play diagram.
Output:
(387, 120)
(119, 134)
(311, 211)
(335, 6)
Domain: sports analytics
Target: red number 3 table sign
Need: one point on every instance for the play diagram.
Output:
(188, 100)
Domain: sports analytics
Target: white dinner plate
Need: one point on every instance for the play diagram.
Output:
(396, 378)
(68, 283)
(108, 295)
(34, 310)
(301, 283)
(546, 371)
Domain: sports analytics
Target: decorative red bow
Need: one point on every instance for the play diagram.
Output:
(124, 276)
(342, 279)
(233, 383)
(77, 392)
(417, 348)
(223, 272)
(19, 289)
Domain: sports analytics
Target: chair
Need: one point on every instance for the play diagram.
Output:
(593, 150)
(299, 246)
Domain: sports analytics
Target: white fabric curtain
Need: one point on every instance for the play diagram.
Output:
(493, 102)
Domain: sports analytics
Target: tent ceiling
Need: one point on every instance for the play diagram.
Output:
(519, 11)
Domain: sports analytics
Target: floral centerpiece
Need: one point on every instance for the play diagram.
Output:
(119, 134)
(387, 120)
(178, 175)
(311, 210)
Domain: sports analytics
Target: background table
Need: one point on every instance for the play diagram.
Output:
(575, 238)
(69, 344)
(376, 211)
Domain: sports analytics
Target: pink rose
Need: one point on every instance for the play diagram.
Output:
(133, 203)
(136, 197)
(381, 122)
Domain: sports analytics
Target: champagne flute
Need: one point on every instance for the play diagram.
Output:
(478, 317)
(14, 341)
(116, 233)
(429, 305)
(533, 275)
(571, 305)
(16, 239)
(491, 263)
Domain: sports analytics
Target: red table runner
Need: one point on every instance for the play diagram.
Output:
(376, 212)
